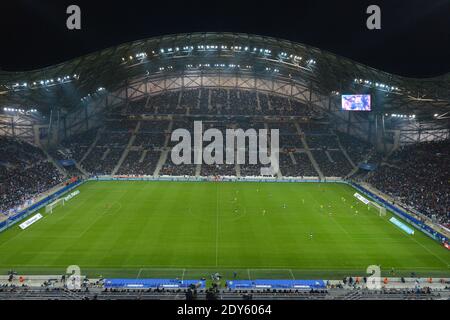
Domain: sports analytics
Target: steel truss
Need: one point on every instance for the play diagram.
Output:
(221, 60)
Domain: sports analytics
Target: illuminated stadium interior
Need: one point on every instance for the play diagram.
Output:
(109, 115)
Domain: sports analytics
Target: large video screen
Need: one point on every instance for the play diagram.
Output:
(356, 102)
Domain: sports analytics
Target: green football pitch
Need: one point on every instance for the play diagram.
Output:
(192, 229)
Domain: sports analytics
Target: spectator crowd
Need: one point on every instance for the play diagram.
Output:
(418, 175)
(25, 174)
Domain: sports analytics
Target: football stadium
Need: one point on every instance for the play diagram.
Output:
(138, 172)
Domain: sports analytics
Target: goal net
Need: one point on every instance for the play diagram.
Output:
(49, 208)
(375, 206)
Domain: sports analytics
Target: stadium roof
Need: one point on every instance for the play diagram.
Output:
(64, 85)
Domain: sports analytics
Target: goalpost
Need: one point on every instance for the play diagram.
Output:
(54, 204)
(381, 210)
(371, 204)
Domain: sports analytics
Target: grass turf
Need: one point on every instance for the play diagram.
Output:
(191, 229)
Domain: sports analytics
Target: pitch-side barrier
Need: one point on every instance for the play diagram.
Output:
(12, 220)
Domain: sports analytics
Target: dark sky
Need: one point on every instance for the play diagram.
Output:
(414, 39)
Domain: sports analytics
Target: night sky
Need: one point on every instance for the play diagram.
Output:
(414, 39)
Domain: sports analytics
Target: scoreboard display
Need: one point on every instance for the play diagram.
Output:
(356, 102)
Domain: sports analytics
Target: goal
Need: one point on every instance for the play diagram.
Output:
(380, 209)
(49, 208)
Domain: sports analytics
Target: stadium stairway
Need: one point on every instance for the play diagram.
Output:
(299, 131)
(161, 161)
(311, 158)
(329, 156)
(165, 152)
(99, 132)
(169, 129)
(345, 153)
(127, 149)
(279, 174)
(105, 154)
(292, 158)
(55, 163)
(77, 165)
(351, 173)
(144, 153)
(198, 170)
(82, 170)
